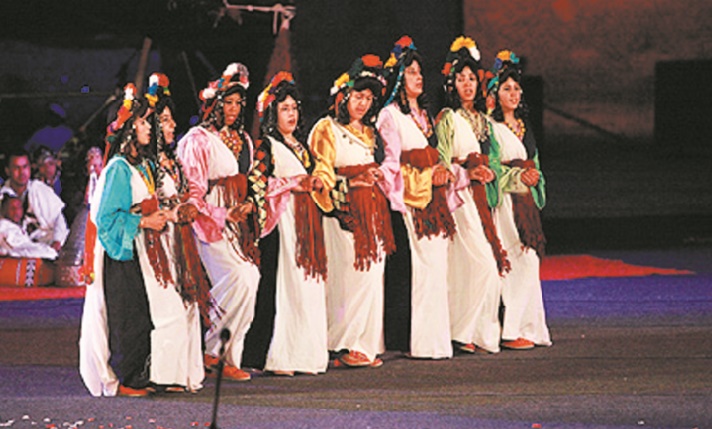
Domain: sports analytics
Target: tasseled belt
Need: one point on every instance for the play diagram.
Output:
(479, 195)
(435, 218)
(235, 192)
(154, 246)
(368, 218)
(526, 213)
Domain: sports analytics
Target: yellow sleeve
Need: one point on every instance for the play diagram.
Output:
(323, 149)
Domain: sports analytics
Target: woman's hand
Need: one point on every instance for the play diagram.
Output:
(366, 178)
(239, 212)
(441, 175)
(183, 213)
(481, 173)
(155, 221)
(530, 177)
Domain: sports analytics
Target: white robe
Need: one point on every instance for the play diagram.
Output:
(430, 317)
(15, 242)
(524, 315)
(354, 298)
(233, 277)
(474, 284)
(299, 337)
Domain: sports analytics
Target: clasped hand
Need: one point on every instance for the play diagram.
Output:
(441, 175)
(156, 220)
(481, 173)
(530, 177)
(238, 213)
(366, 178)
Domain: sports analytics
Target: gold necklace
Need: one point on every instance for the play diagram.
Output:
(521, 129)
(144, 170)
(427, 132)
(232, 140)
(298, 149)
(477, 123)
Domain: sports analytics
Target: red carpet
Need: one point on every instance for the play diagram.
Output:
(13, 293)
(567, 267)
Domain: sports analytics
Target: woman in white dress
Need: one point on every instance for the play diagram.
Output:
(217, 157)
(477, 259)
(517, 215)
(358, 231)
(176, 303)
(417, 187)
(298, 342)
(125, 211)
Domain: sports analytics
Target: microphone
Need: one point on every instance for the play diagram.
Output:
(224, 338)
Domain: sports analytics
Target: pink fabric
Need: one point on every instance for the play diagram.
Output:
(195, 160)
(392, 181)
(277, 198)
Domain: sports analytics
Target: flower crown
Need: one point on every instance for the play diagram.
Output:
(157, 83)
(396, 59)
(124, 112)
(268, 95)
(226, 81)
(453, 55)
(504, 59)
(361, 68)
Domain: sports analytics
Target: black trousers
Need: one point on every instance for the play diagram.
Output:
(129, 321)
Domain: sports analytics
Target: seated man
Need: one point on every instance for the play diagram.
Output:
(46, 166)
(42, 207)
(14, 241)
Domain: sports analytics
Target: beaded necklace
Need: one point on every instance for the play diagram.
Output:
(232, 140)
(477, 123)
(427, 132)
(144, 170)
(520, 129)
(298, 149)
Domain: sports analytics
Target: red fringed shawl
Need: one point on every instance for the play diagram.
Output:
(526, 214)
(479, 195)
(368, 218)
(435, 218)
(193, 280)
(311, 252)
(247, 231)
(154, 247)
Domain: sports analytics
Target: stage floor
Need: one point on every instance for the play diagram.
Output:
(628, 352)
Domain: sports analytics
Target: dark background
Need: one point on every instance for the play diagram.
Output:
(622, 89)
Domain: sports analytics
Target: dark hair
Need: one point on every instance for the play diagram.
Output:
(522, 111)
(343, 116)
(17, 153)
(127, 135)
(268, 127)
(216, 117)
(157, 139)
(400, 98)
(452, 98)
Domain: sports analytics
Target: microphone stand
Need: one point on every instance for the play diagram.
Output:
(224, 337)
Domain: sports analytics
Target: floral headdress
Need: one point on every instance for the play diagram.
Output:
(463, 49)
(123, 114)
(503, 60)
(234, 74)
(368, 66)
(397, 61)
(269, 94)
(157, 87)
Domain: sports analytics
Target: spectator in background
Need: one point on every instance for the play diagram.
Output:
(46, 168)
(43, 208)
(14, 241)
(53, 135)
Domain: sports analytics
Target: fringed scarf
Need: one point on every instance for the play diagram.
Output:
(368, 218)
(247, 232)
(526, 214)
(194, 284)
(435, 218)
(311, 251)
(154, 247)
(479, 195)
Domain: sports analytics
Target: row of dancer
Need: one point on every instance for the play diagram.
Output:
(462, 197)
